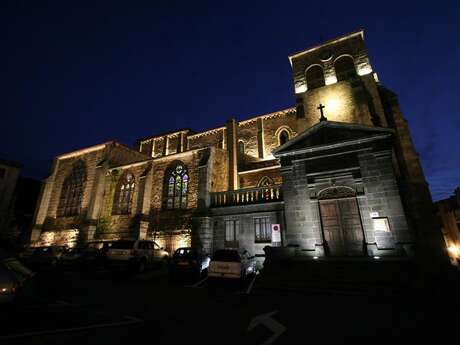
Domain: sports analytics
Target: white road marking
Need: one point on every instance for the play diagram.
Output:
(129, 321)
(268, 321)
(248, 291)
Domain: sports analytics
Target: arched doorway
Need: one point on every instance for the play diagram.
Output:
(341, 223)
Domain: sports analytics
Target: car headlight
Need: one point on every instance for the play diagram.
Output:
(7, 291)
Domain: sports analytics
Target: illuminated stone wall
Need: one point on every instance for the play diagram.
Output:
(251, 179)
(191, 160)
(207, 139)
(172, 240)
(219, 171)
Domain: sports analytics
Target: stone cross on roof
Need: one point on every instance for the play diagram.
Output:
(321, 107)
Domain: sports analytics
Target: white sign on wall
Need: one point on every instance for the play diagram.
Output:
(374, 214)
(276, 233)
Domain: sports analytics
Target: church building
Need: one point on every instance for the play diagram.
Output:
(337, 174)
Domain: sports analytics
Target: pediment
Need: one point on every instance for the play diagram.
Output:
(327, 133)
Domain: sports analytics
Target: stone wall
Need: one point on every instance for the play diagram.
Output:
(245, 215)
(251, 179)
(274, 124)
(191, 160)
(382, 198)
(63, 169)
(219, 171)
(213, 137)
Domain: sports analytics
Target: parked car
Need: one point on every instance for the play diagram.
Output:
(15, 281)
(45, 256)
(187, 260)
(231, 263)
(77, 256)
(136, 254)
(26, 253)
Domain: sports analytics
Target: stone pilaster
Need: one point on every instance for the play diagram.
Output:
(232, 148)
(202, 234)
(260, 137)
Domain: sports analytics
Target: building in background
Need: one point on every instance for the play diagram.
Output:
(9, 174)
(337, 172)
(449, 216)
(18, 201)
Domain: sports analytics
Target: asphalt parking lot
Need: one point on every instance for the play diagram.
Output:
(75, 307)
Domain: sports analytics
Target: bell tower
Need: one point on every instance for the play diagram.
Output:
(338, 76)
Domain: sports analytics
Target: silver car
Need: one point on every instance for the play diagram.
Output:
(137, 254)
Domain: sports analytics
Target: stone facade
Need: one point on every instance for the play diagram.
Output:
(448, 211)
(243, 177)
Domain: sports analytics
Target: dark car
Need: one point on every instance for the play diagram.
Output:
(92, 255)
(189, 261)
(15, 281)
(45, 256)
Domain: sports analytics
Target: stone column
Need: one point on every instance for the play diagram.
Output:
(95, 203)
(145, 203)
(165, 145)
(260, 137)
(202, 234)
(232, 148)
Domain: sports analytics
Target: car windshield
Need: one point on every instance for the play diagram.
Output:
(122, 245)
(226, 256)
(17, 268)
(185, 253)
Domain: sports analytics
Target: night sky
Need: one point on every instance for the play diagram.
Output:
(78, 73)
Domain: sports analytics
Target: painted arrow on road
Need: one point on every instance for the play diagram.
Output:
(268, 321)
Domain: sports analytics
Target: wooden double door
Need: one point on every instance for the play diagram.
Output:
(342, 229)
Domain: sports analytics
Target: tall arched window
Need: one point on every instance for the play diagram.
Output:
(283, 137)
(315, 77)
(123, 198)
(344, 68)
(178, 181)
(72, 191)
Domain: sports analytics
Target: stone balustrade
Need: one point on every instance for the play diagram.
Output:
(247, 196)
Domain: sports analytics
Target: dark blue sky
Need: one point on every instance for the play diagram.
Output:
(78, 73)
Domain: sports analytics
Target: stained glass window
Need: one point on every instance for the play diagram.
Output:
(124, 194)
(72, 191)
(177, 188)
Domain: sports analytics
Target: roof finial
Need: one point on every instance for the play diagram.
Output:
(322, 118)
